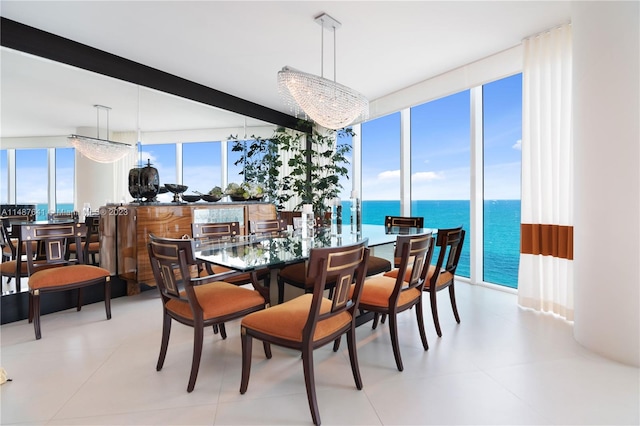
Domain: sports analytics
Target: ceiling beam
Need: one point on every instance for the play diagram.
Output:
(18, 36)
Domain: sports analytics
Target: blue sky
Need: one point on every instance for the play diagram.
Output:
(440, 154)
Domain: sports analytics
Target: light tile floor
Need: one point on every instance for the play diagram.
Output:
(501, 365)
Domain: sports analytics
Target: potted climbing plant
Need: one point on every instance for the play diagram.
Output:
(261, 165)
(316, 165)
(317, 162)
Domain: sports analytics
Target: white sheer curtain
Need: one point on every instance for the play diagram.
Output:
(545, 281)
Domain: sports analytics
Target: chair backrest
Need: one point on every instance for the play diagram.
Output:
(271, 226)
(288, 215)
(21, 217)
(8, 238)
(450, 243)
(63, 215)
(93, 232)
(171, 261)
(404, 221)
(5, 240)
(347, 264)
(25, 212)
(416, 253)
(215, 231)
(54, 240)
(93, 227)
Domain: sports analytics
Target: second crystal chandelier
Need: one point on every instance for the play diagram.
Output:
(328, 103)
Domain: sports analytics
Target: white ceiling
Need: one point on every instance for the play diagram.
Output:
(238, 47)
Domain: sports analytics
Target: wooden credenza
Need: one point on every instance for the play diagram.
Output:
(125, 230)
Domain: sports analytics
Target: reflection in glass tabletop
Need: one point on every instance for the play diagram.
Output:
(246, 253)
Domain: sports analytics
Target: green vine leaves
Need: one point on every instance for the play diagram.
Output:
(317, 162)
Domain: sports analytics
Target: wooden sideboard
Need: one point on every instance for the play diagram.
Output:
(125, 230)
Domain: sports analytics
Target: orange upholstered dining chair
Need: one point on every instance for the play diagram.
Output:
(54, 271)
(9, 248)
(216, 232)
(296, 275)
(196, 302)
(313, 320)
(9, 265)
(401, 222)
(379, 265)
(219, 232)
(390, 296)
(442, 274)
(91, 244)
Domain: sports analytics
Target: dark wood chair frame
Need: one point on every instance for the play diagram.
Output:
(450, 242)
(267, 226)
(219, 232)
(417, 251)
(294, 274)
(348, 264)
(172, 261)
(215, 231)
(9, 250)
(64, 215)
(53, 241)
(404, 221)
(10, 253)
(93, 236)
(8, 242)
(401, 222)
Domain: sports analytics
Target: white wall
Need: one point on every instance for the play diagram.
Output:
(606, 134)
(98, 183)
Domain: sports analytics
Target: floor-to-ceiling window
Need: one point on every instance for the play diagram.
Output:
(502, 124)
(32, 180)
(201, 166)
(380, 168)
(440, 165)
(440, 171)
(65, 174)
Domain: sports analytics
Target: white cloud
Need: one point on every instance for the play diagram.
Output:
(389, 174)
(517, 145)
(147, 156)
(426, 176)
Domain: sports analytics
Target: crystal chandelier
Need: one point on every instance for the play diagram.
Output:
(100, 150)
(330, 104)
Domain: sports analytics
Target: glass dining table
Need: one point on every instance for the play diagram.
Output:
(274, 251)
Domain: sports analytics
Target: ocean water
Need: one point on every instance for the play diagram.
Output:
(501, 230)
